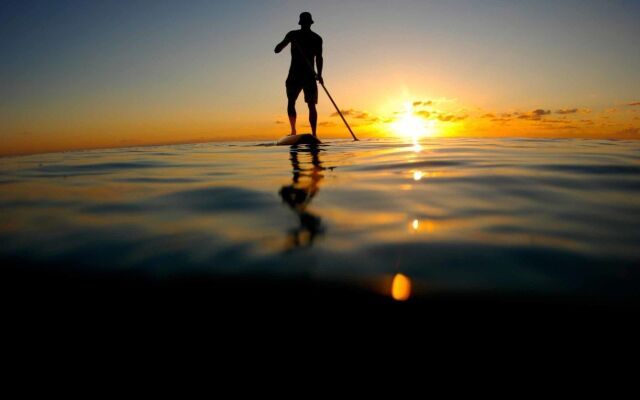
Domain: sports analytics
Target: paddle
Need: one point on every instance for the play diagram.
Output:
(338, 110)
(325, 89)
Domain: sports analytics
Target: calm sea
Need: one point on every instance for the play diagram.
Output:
(390, 218)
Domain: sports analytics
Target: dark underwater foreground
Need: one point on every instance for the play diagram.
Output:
(448, 227)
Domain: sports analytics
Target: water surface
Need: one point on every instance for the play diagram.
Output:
(543, 217)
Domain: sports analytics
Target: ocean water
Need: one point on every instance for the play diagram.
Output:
(395, 219)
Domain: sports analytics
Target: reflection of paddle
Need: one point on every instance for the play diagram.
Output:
(293, 42)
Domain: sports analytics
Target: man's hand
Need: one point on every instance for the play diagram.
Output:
(319, 79)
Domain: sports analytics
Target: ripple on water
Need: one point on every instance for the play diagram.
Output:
(525, 215)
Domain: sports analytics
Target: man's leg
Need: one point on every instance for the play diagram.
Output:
(311, 98)
(313, 117)
(291, 111)
(293, 91)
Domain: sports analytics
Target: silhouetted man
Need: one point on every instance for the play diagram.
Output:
(306, 46)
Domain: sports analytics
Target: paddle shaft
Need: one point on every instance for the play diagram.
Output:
(293, 43)
(339, 112)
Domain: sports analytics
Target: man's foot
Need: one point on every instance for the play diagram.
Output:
(292, 134)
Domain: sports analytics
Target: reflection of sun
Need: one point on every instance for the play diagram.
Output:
(401, 287)
(412, 126)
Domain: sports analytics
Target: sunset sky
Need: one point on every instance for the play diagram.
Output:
(83, 74)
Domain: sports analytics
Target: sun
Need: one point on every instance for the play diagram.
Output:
(413, 126)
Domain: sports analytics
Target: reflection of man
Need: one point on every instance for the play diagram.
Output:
(304, 186)
(305, 47)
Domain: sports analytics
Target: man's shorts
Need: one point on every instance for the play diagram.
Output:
(310, 88)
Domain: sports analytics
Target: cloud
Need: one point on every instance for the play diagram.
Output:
(279, 122)
(635, 103)
(450, 117)
(493, 117)
(538, 114)
(357, 114)
(555, 127)
(326, 124)
(440, 116)
(350, 112)
(428, 114)
(576, 110)
(556, 121)
(422, 103)
(574, 127)
(534, 115)
(567, 111)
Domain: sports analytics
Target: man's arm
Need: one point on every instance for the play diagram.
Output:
(284, 43)
(319, 63)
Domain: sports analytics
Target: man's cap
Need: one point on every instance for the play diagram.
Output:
(305, 18)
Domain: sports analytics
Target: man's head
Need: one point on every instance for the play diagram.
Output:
(305, 19)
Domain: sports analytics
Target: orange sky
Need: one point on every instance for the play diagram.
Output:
(111, 75)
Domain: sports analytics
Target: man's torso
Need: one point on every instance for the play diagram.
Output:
(305, 46)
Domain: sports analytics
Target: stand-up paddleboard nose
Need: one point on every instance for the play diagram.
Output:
(305, 138)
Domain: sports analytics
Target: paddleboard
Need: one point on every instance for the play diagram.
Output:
(303, 138)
